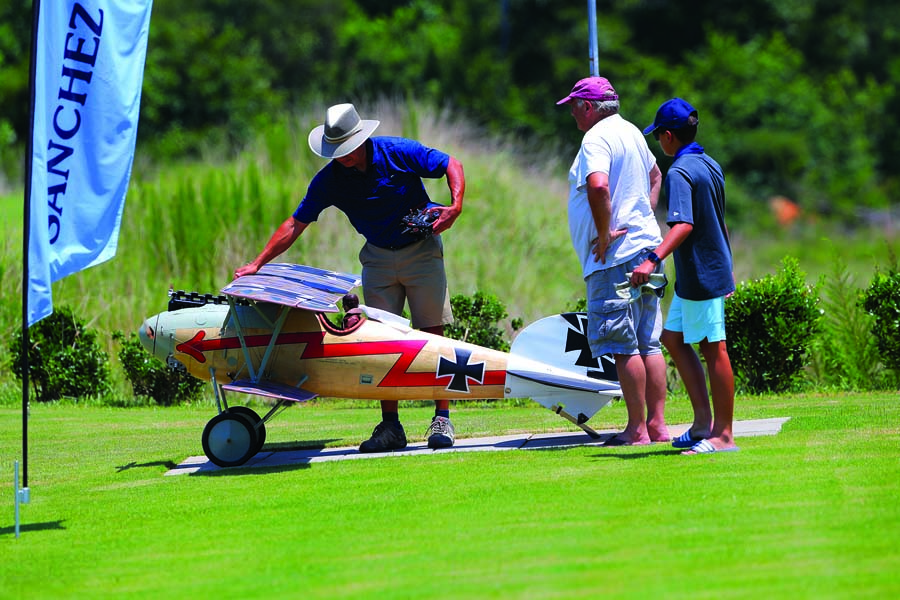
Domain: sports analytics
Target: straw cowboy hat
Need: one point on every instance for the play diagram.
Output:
(342, 132)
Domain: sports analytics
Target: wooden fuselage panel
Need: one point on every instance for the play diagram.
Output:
(376, 361)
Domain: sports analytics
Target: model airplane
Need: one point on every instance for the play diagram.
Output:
(268, 334)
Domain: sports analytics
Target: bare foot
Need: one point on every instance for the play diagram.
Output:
(659, 434)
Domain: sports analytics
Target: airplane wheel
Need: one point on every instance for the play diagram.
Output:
(229, 439)
(257, 422)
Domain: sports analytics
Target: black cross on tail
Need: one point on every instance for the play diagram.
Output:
(460, 370)
(576, 339)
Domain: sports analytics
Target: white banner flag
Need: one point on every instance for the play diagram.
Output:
(89, 67)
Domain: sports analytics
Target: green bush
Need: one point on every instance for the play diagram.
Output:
(579, 305)
(64, 358)
(770, 324)
(153, 379)
(882, 300)
(476, 318)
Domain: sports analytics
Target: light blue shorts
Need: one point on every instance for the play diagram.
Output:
(697, 319)
(616, 326)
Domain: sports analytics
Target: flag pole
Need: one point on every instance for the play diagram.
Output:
(26, 239)
(592, 38)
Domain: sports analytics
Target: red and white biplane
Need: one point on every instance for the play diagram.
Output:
(268, 334)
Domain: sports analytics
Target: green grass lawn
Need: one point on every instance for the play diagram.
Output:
(810, 512)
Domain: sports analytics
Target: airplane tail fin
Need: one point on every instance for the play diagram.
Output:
(551, 363)
(561, 341)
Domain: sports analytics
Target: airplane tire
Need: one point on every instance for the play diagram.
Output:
(229, 439)
(257, 422)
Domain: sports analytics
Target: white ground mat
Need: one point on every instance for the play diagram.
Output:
(525, 441)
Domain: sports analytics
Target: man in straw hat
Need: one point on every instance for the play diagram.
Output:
(376, 181)
(614, 185)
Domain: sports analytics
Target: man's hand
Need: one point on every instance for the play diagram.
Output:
(447, 215)
(249, 269)
(641, 274)
(600, 244)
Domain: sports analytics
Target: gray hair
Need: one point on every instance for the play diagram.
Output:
(604, 107)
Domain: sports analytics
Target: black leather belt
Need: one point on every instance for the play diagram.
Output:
(398, 246)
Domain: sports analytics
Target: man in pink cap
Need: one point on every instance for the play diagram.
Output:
(614, 186)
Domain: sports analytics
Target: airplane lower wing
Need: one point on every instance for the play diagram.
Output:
(269, 389)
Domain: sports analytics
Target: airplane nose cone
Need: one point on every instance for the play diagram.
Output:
(147, 335)
(156, 336)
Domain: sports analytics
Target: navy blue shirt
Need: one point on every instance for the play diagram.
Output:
(377, 200)
(695, 188)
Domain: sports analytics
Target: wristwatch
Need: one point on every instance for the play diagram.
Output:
(652, 257)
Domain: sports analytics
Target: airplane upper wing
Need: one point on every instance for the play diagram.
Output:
(297, 286)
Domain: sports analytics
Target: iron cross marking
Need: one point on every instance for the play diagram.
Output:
(576, 339)
(460, 370)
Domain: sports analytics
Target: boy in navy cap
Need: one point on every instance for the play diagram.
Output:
(698, 242)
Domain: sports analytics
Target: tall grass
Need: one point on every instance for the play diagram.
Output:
(189, 225)
(845, 354)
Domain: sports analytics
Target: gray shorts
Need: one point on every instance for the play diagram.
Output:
(616, 326)
(413, 274)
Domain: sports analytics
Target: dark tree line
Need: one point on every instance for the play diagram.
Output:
(796, 98)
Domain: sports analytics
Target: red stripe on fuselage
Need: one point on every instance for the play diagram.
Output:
(397, 376)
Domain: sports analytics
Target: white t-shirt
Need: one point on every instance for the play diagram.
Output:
(617, 148)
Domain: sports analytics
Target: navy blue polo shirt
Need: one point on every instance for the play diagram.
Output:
(695, 188)
(377, 200)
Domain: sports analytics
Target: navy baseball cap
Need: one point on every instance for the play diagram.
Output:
(673, 114)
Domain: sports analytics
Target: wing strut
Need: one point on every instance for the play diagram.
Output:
(258, 373)
(240, 334)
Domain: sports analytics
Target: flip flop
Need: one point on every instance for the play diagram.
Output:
(706, 447)
(615, 441)
(685, 440)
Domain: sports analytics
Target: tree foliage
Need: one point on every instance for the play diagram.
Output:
(795, 97)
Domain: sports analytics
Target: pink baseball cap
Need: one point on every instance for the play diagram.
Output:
(591, 88)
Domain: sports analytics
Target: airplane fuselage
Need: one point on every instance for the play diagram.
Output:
(375, 361)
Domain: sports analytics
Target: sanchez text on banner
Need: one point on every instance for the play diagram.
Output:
(89, 66)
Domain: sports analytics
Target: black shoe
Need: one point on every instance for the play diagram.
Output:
(441, 433)
(388, 435)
